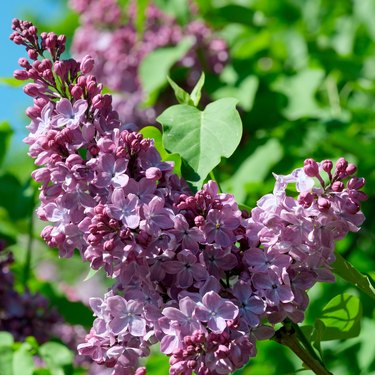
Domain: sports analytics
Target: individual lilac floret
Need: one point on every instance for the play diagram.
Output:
(127, 316)
(216, 312)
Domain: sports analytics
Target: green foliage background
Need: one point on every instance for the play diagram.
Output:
(303, 73)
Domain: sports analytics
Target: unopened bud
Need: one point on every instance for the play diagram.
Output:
(87, 64)
(199, 221)
(337, 186)
(311, 168)
(21, 75)
(351, 169)
(305, 199)
(76, 92)
(341, 165)
(323, 204)
(153, 173)
(356, 183)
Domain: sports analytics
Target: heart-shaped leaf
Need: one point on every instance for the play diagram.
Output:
(201, 137)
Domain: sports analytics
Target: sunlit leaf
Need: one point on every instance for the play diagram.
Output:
(300, 91)
(23, 362)
(155, 134)
(255, 168)
(154, 68)
(6, 339)
(201, 137)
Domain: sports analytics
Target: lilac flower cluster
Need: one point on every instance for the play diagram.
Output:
(191, 271)
(108, 33)
(24, 314)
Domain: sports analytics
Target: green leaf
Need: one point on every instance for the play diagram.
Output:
(155, 134)
(244, 93)
(6, 360)
(5, 136)
(90, 274)
(182, 96)
(154, 68)
(141, 16)
(12, 82)
(72, 312)
(23, 362)
(56, 356)
(300, 90)
(340, 318)
(196, 94)
(201, 137)
(15, 197)
(348, 272)
(42, 371)
(254, 169)
(6, 339)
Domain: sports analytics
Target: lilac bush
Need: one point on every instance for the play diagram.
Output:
(191, 271)
(108, 33)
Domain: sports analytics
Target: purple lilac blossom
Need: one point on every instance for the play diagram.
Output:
(191, 271)
(118, 51)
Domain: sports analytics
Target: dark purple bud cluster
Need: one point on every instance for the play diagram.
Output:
(191, 271)
(24, 314)
(108, 33)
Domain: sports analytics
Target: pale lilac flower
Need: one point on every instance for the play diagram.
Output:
(127, 316)
(69, 115)
(215, 311)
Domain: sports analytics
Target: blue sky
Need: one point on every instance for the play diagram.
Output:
(13, 100)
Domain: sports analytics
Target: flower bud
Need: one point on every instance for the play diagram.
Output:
(153, 173)
(311, 168)
(31, 89)
(351, 207)
(305, 199)
(323, 204)
(199, 221)
(337, 186)
(356, 183)
(76, 91)
(32, 54)
(341, 165)
(21, 75)
(350, 169)
(87, 64)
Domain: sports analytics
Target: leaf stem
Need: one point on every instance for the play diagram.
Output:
(288, 336)
(27, 266)
(305, 342)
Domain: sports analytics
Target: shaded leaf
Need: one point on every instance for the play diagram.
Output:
(5, 136)
(348, 272)
(340, 319)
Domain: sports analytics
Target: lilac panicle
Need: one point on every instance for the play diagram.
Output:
(191, 271)
(109, 34)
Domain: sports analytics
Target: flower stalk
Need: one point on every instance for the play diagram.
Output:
(289, 335)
